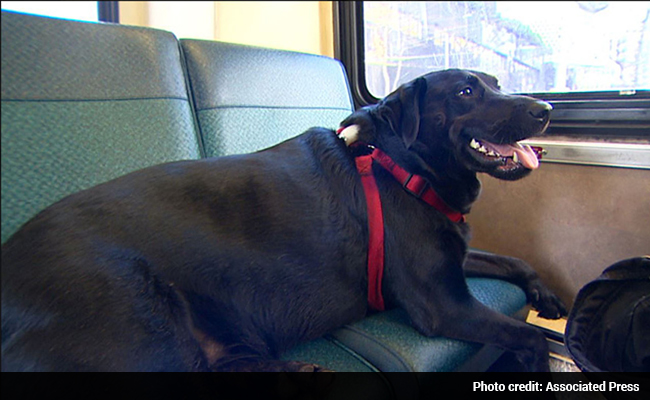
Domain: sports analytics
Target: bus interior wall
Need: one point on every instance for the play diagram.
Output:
(569, 222)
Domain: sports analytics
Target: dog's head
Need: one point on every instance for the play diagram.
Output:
(461, 118)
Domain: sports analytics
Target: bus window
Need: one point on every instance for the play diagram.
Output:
(90, 11)
(531, 46)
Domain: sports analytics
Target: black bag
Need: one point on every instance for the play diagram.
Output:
(608, 329)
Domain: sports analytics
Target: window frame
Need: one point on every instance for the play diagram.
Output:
(108, 11)
(620, 115)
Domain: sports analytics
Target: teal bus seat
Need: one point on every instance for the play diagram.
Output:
(250, 98)
(83, 103)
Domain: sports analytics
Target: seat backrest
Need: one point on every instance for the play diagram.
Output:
(83, 103)
(249, 98)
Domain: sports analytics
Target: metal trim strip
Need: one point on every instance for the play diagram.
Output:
(623, 155)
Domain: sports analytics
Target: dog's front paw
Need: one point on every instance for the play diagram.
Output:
(547, 304)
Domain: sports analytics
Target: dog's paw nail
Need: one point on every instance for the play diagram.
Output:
(307, 368)
(534, 296)
(312, 368)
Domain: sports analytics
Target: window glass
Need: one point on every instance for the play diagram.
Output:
(78, 10)
(531, 46)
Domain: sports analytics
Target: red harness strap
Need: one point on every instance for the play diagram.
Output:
(375, 232)
(415, 185)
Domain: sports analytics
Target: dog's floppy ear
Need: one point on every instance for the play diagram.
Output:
(401, 110)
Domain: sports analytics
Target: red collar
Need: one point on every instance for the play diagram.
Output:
(415, 185)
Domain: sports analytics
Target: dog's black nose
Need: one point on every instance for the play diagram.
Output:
(540, 109)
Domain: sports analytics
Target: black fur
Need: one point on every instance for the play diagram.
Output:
(223, 264)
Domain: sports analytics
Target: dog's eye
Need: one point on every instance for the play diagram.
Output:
(465, 92)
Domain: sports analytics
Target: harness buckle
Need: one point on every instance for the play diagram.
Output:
(417, 188)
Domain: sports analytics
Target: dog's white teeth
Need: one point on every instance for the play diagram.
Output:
(515, 158)
(476, 145)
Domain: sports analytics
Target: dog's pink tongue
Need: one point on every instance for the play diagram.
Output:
(525, 154)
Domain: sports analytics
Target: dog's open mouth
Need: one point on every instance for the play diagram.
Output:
(509, 155)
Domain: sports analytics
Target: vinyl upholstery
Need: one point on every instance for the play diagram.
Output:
(391, 344)
(83, 103)
(249, 98)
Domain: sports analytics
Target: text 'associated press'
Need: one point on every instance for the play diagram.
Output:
(533, 386)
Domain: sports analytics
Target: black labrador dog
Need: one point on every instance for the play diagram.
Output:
(223, 264)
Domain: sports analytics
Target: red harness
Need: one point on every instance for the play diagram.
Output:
(414, 184)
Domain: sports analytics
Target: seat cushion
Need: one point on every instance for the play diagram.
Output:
(389, 342)
(83, 103)
(250, 98)
(331, 354)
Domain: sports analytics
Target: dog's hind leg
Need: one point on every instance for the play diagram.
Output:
(514, 270)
